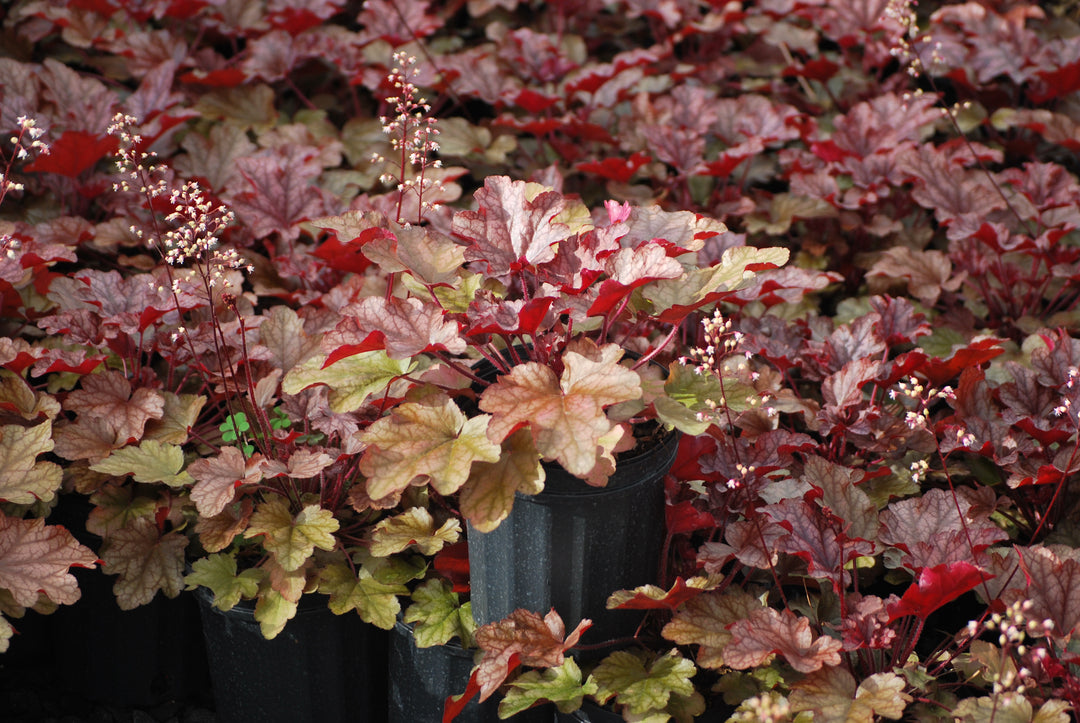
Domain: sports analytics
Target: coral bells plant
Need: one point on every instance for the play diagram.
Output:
(832, 242)
(550, 299)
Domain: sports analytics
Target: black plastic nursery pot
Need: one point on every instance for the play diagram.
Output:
(322, 668)
(421, 679)
(144, 657)
(572, 545)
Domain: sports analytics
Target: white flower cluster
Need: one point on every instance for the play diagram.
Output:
(413, 135)
(26, 142)
(193, 225)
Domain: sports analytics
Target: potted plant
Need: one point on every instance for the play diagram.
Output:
(518, 326)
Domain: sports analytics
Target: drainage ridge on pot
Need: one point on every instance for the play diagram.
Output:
(321, 668)
(572, 545)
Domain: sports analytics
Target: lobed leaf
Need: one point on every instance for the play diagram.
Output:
(292, 540)
(150, 462)
(765, 632)
(415, 527)
(35, 558)
(432, 439)
(643, 686)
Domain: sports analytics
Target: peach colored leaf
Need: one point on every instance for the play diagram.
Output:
(432, 438)
(766, 632)
(415, 527)
(217, 478)
(35, 558)
(487, 497)
(522, 637)
(177, 418)
(566, 416)
(292, 540)
(17, 396)
(643, 686)
(108, 396)
(307, 463)
(705, 621)
(91, 438)
(350, 380)
(24, 479)
(217, 532)
(282, 332)
(376, 601)
(513, 226)
(832, 696)
(145, 561)
(410, 326)
(150, 462)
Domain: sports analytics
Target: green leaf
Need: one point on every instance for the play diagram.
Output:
(150, 462)
(440, 616)
(561, 685)
(377, 602)
(218, 572)
(488, 496)
(430, 438)
(351, 380)
(832, 695)
(704, 621)
(23, 479)
(414, 527)
(273, 611)
(731, 273)
(292, 540)
(233, 425)
(642, 687)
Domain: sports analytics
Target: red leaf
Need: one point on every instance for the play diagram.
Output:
(616, 169)
(507, 317)
(452, 562)
(936, 586)
(456, 703)
(684, 517)
(373, 341)
(939, 371)
(1056, 83)
(818, 69)
(676, 596)
(221, 78)
(522, 636)
(74, 152)
(535, 102)
(342, 256)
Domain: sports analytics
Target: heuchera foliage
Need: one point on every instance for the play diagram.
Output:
(833, 242)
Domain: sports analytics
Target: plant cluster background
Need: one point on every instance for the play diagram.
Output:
(875, 511)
